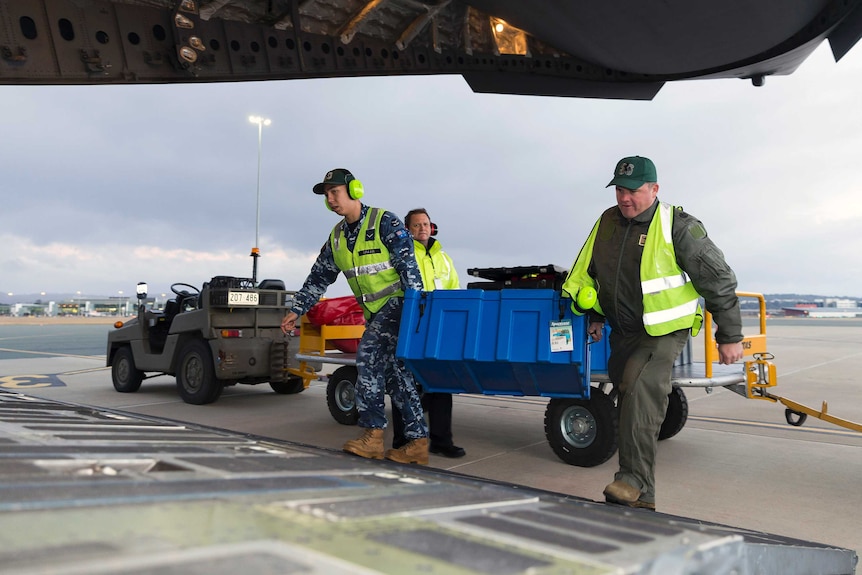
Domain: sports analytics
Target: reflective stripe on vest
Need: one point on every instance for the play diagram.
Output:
(578, 277)
(669, 298)
(367, 268)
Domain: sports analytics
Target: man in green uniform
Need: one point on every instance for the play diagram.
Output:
(650, 263)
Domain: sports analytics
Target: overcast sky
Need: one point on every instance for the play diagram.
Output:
(106, 186)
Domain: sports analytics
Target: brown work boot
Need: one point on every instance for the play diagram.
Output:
(639, 504)
(622, 493)
(368, 445)
(416, 451)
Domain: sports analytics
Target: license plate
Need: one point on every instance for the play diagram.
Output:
(242, 298)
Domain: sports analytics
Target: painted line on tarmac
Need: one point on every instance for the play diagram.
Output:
(773, 425)
(51, 354)
(836, 360)
(90, 370)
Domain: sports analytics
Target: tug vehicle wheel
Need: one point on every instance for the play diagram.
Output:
(125, 376)
(293, 384)
(196, 380)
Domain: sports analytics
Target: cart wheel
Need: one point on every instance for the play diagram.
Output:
(196, 380)
(582, 432)
(293, 384)
(341, 395)
(795, 418)
(126, 377)
(676, 415)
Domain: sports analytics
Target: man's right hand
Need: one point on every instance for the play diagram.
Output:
(729, 353)
(289, 322)
(595, 330)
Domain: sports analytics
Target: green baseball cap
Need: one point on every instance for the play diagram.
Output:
(633, 172)
(336, 177)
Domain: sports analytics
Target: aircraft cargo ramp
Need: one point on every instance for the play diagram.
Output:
(94, 491)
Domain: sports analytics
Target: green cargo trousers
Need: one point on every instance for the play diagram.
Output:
(640, 367)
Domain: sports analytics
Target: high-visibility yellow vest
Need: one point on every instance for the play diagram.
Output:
(436, 267)
(368, 270)
(670, 300)
(579, 278)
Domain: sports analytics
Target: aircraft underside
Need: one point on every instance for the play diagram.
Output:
(621, 49)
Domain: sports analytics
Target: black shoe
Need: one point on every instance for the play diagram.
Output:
(452, 451)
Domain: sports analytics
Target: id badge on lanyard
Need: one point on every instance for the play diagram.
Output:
(561, 335)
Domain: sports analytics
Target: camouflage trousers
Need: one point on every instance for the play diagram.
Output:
(379, 373)
(640, 367)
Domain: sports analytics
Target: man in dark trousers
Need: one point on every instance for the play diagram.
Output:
(438, 272)
(651, 263)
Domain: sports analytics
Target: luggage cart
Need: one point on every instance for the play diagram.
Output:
(497, 343)
(317, 344)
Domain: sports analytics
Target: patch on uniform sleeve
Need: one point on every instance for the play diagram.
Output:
(697, 231)
(402, 233)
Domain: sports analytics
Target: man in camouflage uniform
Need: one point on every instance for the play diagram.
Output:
(650, 263)
(375, 252)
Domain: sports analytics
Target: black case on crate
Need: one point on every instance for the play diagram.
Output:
(520, 277)
(230, 282)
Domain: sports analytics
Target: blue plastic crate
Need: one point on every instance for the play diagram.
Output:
(600, 352)
(492, 342)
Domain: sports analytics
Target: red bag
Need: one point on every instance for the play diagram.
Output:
(338, 311)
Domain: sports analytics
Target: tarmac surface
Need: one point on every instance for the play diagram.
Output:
(736, 462)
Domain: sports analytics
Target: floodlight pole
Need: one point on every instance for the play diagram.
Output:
(255, 251)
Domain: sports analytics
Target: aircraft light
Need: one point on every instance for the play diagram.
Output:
(509, 40)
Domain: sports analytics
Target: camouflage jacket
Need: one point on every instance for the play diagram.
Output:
(324, 272)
